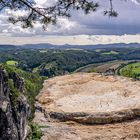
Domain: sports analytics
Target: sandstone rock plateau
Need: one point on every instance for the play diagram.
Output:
(73, 102)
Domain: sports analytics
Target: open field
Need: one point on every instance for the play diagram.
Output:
(12, 63)
(110, 65)
(88, 67)
(131, 70)
(109, 53)
(102, 67)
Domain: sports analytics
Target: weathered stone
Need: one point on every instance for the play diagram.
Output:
(91, 98)
(4, 106)
(18, 81)
(96, 118)
(13, 119)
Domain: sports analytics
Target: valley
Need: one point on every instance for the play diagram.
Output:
(69, 70)
(54, 62)
(87, 94)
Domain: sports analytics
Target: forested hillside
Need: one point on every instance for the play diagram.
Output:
(51, 62)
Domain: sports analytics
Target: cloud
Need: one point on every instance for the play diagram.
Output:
(63, 26)
(128, 21)
(136, 1)
(45, 3)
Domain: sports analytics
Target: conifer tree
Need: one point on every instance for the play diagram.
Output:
(50, 14)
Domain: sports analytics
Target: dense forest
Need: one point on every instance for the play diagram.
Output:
(52, 62)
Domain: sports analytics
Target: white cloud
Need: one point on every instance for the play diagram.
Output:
(63, 26)
(45, 3)
(136, 1)
(127, 22)
(17, 13)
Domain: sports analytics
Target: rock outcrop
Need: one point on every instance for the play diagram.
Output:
(18, 81)
(90, 98)
(13, 118)
(96, 118)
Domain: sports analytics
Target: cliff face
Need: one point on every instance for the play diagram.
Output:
(13, 117)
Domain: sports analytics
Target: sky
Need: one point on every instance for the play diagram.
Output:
(80, 28)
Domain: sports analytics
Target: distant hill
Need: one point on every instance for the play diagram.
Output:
(67, 46)
(7, 47)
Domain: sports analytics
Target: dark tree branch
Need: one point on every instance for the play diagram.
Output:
(111, 12)
(49, 15)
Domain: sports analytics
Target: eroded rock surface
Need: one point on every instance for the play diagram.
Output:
(91, 98)
(72, 102)
(69, 130)
(13, 118)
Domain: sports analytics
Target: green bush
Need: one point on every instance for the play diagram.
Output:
(36, 132)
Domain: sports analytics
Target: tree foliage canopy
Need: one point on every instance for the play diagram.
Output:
(49, 15)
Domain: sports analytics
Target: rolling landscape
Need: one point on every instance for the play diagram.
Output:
(84, 70)
(69, 70)
(54, 62)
